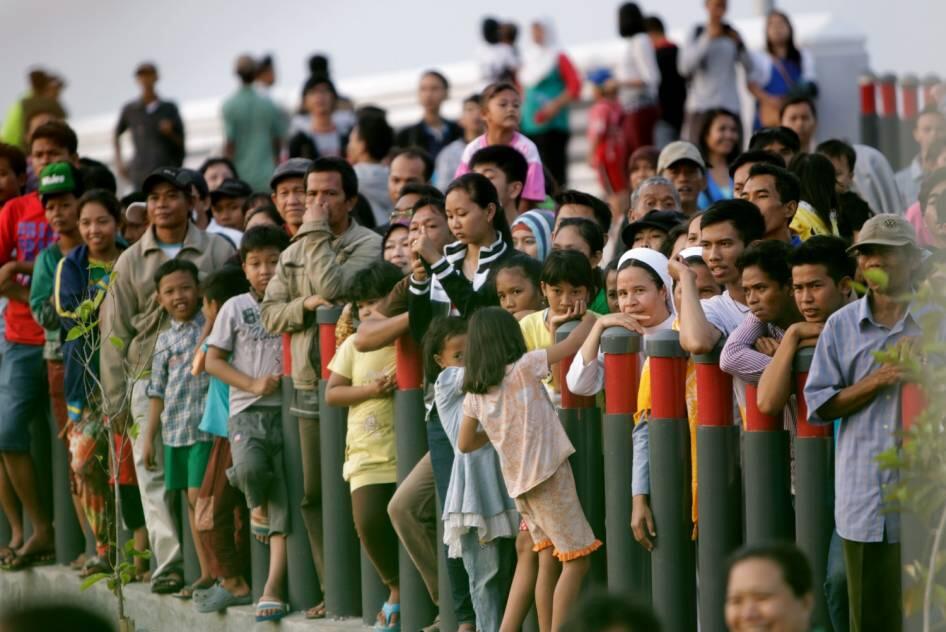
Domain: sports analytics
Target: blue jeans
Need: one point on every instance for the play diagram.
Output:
(441, 460)
(835, 586)
(490, 567)
(24, 394)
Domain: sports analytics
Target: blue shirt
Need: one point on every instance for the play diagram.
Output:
(217, 409)
(844, 356)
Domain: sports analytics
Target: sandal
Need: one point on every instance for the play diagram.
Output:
(316, 612)
(388, 611)
(7, 554)
(167, 584)
(28, 560)
(188, 592)
(217, 599)
(93, 565)
(279, 609)
(77, 564)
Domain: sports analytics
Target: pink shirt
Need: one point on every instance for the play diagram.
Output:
(534, 187)
(522, 424)
(914, 215)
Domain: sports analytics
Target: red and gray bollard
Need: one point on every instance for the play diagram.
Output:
(814, 476)
(888, 123)
(582, 422)
(909, 110)
(766, 473)
(417, 610)
(914, 543)
(342, 582)
(674, 569)
(719, 485)
(628, 563)
(868, 90)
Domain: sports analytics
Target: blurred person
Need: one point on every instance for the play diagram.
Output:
(134, 220)
(740, 167)
(216, 169)
(433, 132)
(13, 131)
(253, 127)
(550, 84)
(263, 215)
(778, 140)
(368, 145)
(682, 164)
(409, 165)
(200, 198)
(779, 72)
(471, 126)
(157, 130)
(607, 153)
(672, 93)
(602, 612)
(800, 115)
(266, 73)
(708, 59)
(315, 132)
(925, 217)
(817, 212)
(930, 125)
(12, 172)
(720, 144)
(843, 158)
(288, 192)
(769, 586)
(96, 175)
(854, 212)
(496, 60)
(637, 78)
(641, 164)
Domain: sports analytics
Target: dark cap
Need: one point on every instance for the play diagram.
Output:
(292, 168)
(172, 175)
(146, 67)
(231, 188)
(197, 180)
(662, 220)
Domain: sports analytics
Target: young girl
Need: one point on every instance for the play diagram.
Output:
(586, 237)
(506, 398)
(517, 281)
(364, 382)
(720, 143)
(611, 286)
(501, 103)
(532, 233)
(480, 521)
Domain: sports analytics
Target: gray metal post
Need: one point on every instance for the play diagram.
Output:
(417, 611)
(718, 486)
(767, 480)
(70, 541)
(343, 582)
(628, 562)
(373, 590)
(259, 566)
(888, 123)
(445, 605)
(674, 570)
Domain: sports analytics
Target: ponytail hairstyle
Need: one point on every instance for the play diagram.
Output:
(483, 193)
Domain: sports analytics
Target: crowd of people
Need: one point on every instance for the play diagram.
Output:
(157, 327)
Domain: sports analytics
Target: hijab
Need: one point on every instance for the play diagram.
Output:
(540, 60)
(656, 262)
(540, 223)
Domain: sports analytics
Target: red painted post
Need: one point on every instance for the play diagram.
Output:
(912, 404)
(888, 124)
(868, 90)
(767, 479)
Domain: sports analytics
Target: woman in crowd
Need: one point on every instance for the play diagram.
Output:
(782, 70)
(720, 143)
(638, 78)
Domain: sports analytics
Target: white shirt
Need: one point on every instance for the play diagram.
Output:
(232, 235)
(725, 313)
(638, 63)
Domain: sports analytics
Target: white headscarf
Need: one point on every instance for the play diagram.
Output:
(659, 264)
(538, 61)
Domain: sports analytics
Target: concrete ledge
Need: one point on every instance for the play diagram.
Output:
(151, 613)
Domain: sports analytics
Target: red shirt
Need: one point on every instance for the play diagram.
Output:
(24, 233)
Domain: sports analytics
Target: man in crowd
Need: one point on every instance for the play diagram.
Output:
(408, 165)
(506, 168)
(742, 165)
(800, 115)
(157, 130)
(672, 93)
(369, 144)
(254, 128)
(930, 125)
(325, 252)
(847, 382)
(132, 316)
(781, 141)
(775, 192)
(682, 164)
(657, 193)
(288, 192)
(433, 132)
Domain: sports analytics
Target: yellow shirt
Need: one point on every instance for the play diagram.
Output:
(538, 336)
(807, 223)
(370, 450)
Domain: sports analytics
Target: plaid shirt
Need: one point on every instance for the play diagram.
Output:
(171, 380)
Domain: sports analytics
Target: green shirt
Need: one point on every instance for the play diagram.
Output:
(253, 123)
(42, 286)
(600, 304)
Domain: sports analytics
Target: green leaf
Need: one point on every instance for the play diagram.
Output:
(117, 342)
(877, 276)
(134, 430)
(75, 333)
(93, 579)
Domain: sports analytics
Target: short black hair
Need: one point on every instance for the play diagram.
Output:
(269, 210)
(630, 20)
(602, 211)
(796, 571)
(771, 256)
(332, 164)
(837, 148)
(472, 98)
(508, 160)
(263, 238)
(569, 266)
(603, 612)
(799, 100)
(439, 330)
(15, 157)
(59, 133)
(673, 235)
(744, 216)
(175, 265)
(372, 283)
(786, 182)
(96, 175)
(418, 153)
(590, 231)
(223, 284)
(854, 210)
(753, 157)
(317, 80)
(782, 135)
(437, 75)
(376, 133)
(218, 160)
(828, 251)
(422, 189)
(653, 24)
(530, 266)
(103, 197)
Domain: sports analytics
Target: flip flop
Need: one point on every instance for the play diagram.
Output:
(388, 610)
(28, 560)
(187, 592)
(259, 528)
(93, 565)
(281, 610)
(316, 612)
(166, 585)
(218, 599)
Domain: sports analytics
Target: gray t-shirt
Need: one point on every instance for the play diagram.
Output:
(254, 350)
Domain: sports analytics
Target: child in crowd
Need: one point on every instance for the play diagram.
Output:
(586, 237)
(221, 508)
(480, 521)
(506, 398)
(641, 165)
(177, 398)
(12, 172)
(607, 152)
(508, 170)
(611, 286)
(227, 202)
(532, 233)
(253, 371)
(364, 382)
(517, 282)
(501, 103)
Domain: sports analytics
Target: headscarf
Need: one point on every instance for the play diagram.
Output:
(656, 262)
(540, 60)
(540, 223)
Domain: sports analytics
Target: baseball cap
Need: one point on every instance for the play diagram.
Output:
(174, 176)
(59, 177)
(137, 213)
(292, 168)
(599, 76)
(231, 188)
(662, 220)
(679, 150)
(885, 229)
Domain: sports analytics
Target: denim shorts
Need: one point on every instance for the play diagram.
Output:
(24, 395)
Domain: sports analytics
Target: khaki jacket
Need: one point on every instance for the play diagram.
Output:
(316, 262)
(131, 314)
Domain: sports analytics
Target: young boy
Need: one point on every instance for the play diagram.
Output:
(177, 397)
(227, 205)
(506, 168)
(253, 371)
(608, 148)
(12, 172)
